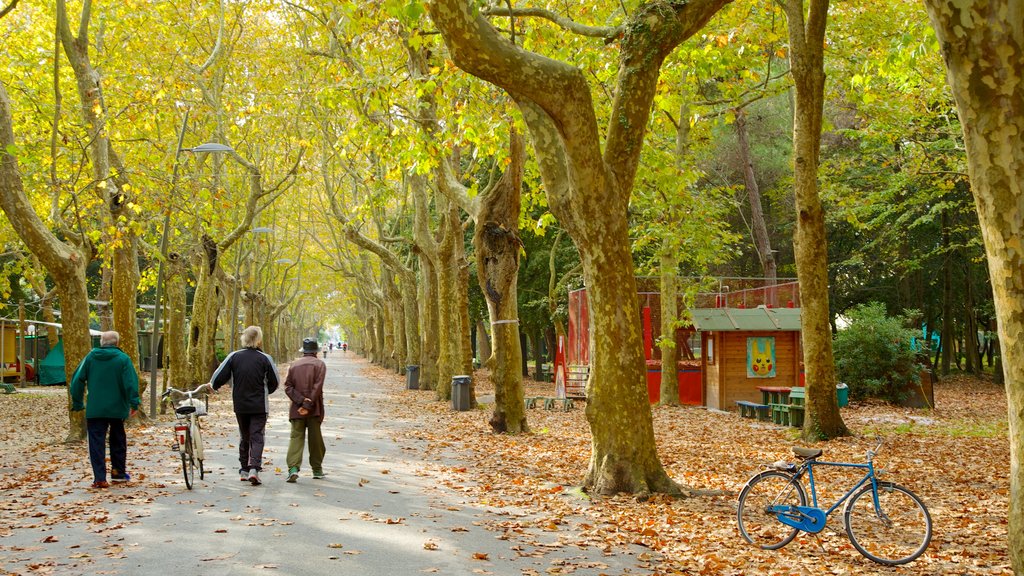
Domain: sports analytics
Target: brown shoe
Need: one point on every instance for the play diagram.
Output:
(101, 484)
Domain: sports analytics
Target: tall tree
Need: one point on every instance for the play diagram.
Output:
(807, 44)
(588, 191)
(110, 177)
(65, 261)
(982, 43)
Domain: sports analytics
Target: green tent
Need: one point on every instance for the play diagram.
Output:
(51, 369)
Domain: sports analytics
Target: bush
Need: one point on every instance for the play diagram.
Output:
(873, 355)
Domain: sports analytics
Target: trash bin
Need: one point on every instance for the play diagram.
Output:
(460, 393)
(412, 377)
(843, 394)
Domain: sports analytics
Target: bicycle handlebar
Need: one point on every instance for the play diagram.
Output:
(878, 444)
(189, 393)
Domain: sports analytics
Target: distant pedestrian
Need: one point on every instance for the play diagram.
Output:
(304, 385)
(324, 349)
(253, 377)
(113, 385)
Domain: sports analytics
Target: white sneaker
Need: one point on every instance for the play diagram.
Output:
(243, 475)
(254, 477)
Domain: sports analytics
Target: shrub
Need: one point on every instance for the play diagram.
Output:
(873, 355)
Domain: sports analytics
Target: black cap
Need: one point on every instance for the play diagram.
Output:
(310, 345)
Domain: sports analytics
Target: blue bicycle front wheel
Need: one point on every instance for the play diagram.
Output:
(756, 511)
(894, 533)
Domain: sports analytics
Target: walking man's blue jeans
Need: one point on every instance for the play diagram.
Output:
(98, 428)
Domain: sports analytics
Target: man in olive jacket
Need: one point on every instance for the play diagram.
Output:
(113, 387)
(304, 385)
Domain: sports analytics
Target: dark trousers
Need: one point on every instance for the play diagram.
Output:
(250, 444)
(98, 428)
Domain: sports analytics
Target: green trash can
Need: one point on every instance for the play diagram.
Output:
(843, 394)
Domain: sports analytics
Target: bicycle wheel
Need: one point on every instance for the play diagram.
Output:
(758, 524)
(197, 448)
(188, 462)
(895, 533)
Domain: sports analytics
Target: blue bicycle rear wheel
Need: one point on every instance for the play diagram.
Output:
(758, 523)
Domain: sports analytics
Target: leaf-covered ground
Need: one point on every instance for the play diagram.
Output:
(956, 457)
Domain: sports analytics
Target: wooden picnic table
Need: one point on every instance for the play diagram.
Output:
(774, 394)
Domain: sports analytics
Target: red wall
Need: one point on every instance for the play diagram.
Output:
(689, 387)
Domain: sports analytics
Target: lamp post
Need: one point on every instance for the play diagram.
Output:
(154, 352)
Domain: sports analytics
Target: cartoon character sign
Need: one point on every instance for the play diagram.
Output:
(761, 357)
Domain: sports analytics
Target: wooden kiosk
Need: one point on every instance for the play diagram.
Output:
(746, 348)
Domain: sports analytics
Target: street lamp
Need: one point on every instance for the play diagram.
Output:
(154, 354)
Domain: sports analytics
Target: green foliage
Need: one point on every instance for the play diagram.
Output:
(873, 355)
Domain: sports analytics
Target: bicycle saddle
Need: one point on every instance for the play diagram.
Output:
(806, 453)
(190, 409)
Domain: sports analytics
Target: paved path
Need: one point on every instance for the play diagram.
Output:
(376, 513)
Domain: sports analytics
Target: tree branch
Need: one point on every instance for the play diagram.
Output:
(8, 8)
(606, 32)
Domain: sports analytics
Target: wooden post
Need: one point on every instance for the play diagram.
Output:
(21, 343)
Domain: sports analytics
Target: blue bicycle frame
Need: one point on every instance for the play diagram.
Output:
(812, 518)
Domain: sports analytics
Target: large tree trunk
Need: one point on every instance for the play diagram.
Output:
(125, 298)
(983, 46)
(588, 191)
(497, 244)
(202, 327)
(122, 242)
(449, 321)
(174, 338)
(669, 315)
(810, 244)
(65, 263)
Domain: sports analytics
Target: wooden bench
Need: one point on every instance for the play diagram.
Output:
(753, 410)
(797, 398)
(564, 404)
(780, 414)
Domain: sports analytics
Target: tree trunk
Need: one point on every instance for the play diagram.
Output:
(125, 299)
(202, 327)
(588, 191)
(104, 309)
(483, 345)
(758, 225)
(65, 263)
(810, 242)
(537, 339)
(971, 356)
(983, 47)
(946, 339)
(174, 338)
(669, 315)
(497, 245)
(449, 319)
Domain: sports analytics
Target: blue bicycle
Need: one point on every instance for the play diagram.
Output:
(886, 522)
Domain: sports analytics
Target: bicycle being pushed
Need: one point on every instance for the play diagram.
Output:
(188, 437)
(885, 522)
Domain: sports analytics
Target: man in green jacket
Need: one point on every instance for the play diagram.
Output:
(113, 387)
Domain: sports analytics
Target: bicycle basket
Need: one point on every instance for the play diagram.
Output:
(190, 405)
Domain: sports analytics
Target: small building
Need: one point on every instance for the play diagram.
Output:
(743, 348)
